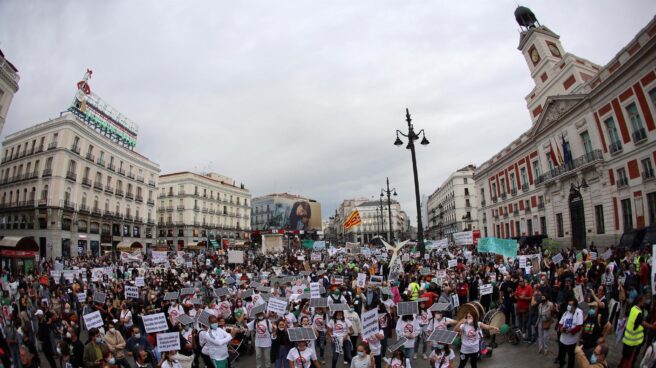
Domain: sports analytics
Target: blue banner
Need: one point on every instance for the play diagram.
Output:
(504, 247)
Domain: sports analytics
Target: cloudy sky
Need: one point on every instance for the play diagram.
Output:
(302, 96)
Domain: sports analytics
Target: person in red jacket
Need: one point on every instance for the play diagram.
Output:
(462, 289)
(523, 294)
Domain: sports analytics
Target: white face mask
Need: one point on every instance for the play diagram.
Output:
(470, 320)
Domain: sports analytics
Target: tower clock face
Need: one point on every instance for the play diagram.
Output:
(535, 57)
(554, 50)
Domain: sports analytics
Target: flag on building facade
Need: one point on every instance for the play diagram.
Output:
(566, 151)
(552, 155)
(558, 154)
(353, 220)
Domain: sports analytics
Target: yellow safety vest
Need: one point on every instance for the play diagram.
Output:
(414, 288)
(633, 335)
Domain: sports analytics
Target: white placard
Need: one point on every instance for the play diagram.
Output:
(486, 289)
(236, 256)
(369, 323)
(168, 341)
(578, 293)
(131, 292)
(189, 264)
(159, 256)
(522, 262)
(375, 280)
(455, 301)
(607, 254)
(278, 306)
(155, 322)
(593, 256)
(557, 258)
(93, 319)
(453, 263)
(362, 280)
(337, 280)
(405, 258)
(315, 290)
(463, 238)
(315, 257)
(139, 281)
(440, 274)
(81, 297)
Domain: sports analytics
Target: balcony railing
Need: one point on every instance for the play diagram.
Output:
(52, 145)
(513, 191)
(151, 183)
(68, 205)
(38, 149)
(131, 175)
(91, 157)
(111, 167)
(648, 175)
(504, 195)
(541, 205)
(524, 187)
(196, 208)
(75, 148)
(150, 202)
(96, 211)
(494, 199)
(527, 209)
(121, 171)
(575, 164)
(109, 189)
(180, 193)
(97, 185)
(615, 147)
(101, 162)
(181, 207)
(622, 182)
(118, 193)
(71, 175)
(108, 214)
(140, 179)
(83, 208)
(639, 135)
(138, 198)
(129, 195)
(86, 182)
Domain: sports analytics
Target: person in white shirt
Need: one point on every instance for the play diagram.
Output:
(441, 356)
(214, 343)
(569, 327)
(338, 332)
(318, 321)
(302, 356)
(440, 322)
(408, 327)
(169, 361)
(470, 336)
(262, 328)
(376, 347)
(356, 325)
(425, 328)
(175, 310)
(363, 357)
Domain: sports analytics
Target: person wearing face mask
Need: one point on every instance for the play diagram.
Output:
(363, 357)
(125, 317)
(356, 327)
(116, 344)
(597, 359)
(262, 329)
(77, 348)
(302, 356)
(95, 350)
(569, 326)
(470, 330)
(545, 309)
(634, 331)
(398, 360)
(137, 341)
(215, 343)
(441, 356)
(408, 327)
(591, 331)
(338, 332)
(318, 322)
(169, 360)
(374, 343)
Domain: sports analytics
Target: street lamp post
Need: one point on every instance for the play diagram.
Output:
(389, 192)
(412, 137)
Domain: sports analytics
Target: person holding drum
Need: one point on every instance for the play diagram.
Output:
(470, 330)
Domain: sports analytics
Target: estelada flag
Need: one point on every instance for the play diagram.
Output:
(353, 220)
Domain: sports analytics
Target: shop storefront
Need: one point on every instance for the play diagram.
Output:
(18, 254)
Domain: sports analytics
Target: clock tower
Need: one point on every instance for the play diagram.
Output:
(554, 72)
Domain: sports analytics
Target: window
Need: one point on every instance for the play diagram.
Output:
(651, 208)
(587, 143)
(522, 173)
(503, 186)
(493, 194)
(599, 219)
(622, 180)
(465, 180)
(627, 215)
(518, 229)
(615, 144)
(647, 169)
(507, 230)
(636, 123)
(543, 225)
(513, 182)
(536, 169)
(529, 227)
(466, 193)
(652, 96)
(559, 225)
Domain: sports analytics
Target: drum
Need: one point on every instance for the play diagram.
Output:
(494, 318)
(479, 309)
(467, 308)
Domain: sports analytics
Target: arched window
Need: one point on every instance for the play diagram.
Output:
(44, 193)
(84, 199)
(67, 195)
(33, 194)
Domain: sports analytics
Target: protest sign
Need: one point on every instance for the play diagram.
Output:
(522, 262)
(607, 254)
(405, 258)
(369, 323)
(278, 306)
(155, 322)
(159, 256)
(131, 292)
(168, 341)
(375, 280)
(81, 297)
(236, 256)
(455, 301)
(139, 281)
(557, 258)
(504, 247)
(486, 289)
(315, 257)
(463, 238)
(440, 274)
(93, 319)
(453, 263)
(315, 290)
(337, 280)
(593, 256)
(99, 298)
(362, 280)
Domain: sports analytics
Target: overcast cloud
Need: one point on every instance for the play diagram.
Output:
(302, 96)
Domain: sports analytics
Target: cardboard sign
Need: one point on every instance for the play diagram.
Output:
(131, 292)
(522, 262)
(485, 289)
(593, 256)
(139, 281)
(236, 256)
(81, 297)
(440, 274)
(278, 306)
(369, 323)
(375, 280)
(455, 301)
(155, 322)
(315, 290)
(557, 258)
(463, 238)
(337, 280)
(159, 256)
(315, 257)
(362, 280)
(453, 263)
(99, 298)
(168, 341)
(93, 319)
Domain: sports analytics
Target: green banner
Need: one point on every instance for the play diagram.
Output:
(308, 244)
(504, 247)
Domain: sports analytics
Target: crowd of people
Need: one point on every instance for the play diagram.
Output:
(572, 304)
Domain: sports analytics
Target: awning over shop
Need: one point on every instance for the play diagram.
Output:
(18, 247)
(214, 243)
(128, 246)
